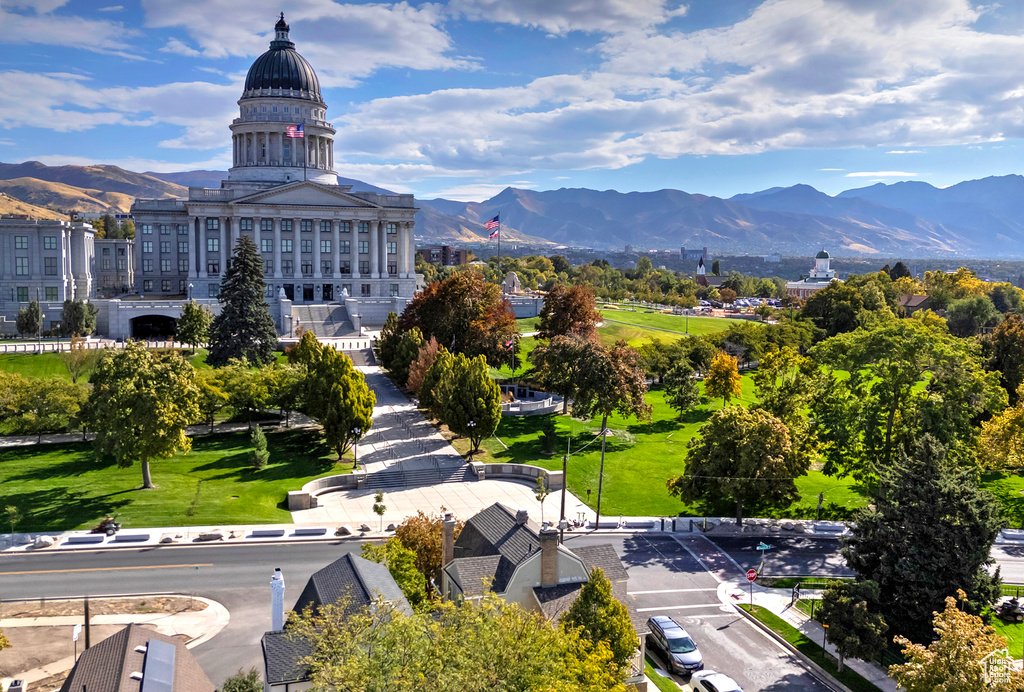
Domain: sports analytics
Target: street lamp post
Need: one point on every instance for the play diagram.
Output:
(39, 333)
(355, 447)
(190, 287)
(471, 425)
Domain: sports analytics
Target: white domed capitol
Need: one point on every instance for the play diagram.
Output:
(332, 257)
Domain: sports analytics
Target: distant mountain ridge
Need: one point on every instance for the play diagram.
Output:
(978, 218)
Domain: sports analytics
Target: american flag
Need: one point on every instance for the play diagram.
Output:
(494, 225)
(509, 344)
(294, 131)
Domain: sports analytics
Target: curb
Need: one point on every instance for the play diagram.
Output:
(823, 676)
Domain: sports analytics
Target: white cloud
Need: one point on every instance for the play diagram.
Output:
(471, 192)
(880, 174)
(906, 151)
(344, 42)
(179, 47)
(831, 169)
(558, 18)
(97, 36)
(7, 142)
(131, 163)
(111, 8)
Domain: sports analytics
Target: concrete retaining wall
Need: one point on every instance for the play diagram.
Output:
(518, 472)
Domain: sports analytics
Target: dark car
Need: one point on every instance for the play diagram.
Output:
(670, 640)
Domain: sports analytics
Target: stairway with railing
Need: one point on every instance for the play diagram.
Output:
(323, 319)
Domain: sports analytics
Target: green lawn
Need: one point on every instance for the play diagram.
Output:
(662, 683)
(527, 324)
(670, 322)
(60, 487)
(1014, 634)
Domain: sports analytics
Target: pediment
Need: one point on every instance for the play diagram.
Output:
(304, 193)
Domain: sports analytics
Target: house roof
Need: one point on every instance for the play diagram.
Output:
(913, 301)
(354, 579)
(108, 666)
(493, 531)
(603, 556)
(281, 656)
(474, 574)
(555, 600)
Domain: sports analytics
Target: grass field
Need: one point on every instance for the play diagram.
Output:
(1014, 634)
(669, 322)
(60, 487)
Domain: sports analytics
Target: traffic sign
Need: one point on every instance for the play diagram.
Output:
(751, 574)
(76, 631)
(763, 546)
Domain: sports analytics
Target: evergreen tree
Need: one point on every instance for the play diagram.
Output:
(338, 398)
(259, 455)
(850, 609)
(434, 389)
(681, 389)
(929, 533)
(473, 405)
(716, 268)
(244, 327)
(194, 324)
(406, 353)
(30, 319)
(599, 617)
(900, 271)
(77, 318)
(386, 345)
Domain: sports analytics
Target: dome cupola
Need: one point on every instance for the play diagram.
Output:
(281, 71)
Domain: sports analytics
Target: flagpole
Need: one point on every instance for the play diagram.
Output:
(501, 280)
(305, 152)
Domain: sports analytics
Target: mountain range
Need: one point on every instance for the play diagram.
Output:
(977, 218)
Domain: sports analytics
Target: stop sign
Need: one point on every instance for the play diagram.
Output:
(751, 574)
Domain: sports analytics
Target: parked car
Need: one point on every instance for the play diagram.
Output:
(678, 649)
(710, 681)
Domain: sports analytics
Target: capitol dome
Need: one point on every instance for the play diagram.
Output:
(281, 71)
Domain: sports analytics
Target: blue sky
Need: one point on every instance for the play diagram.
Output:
(465, 97)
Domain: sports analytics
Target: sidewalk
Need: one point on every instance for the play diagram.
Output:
(199, 626)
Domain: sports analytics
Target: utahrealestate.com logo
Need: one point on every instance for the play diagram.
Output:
(997, 667)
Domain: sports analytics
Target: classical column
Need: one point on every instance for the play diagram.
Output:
(410, 255)
(316, 249)
(296, 249)
(202, 247)
(336, 248)
(374, 251)
(403, 251)
(193, 249)
(236, 224)
(330, 153)
(224, 253)
(353, 250)
(277, 249)
(382, 246)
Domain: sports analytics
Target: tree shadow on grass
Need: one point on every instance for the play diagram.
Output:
(78, 463)
(61, 509)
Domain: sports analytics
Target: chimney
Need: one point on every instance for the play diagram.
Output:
(522, 516)
(447, 539)
(277, 601)
(548, 556)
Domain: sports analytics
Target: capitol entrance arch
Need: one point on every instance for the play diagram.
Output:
(153, 327)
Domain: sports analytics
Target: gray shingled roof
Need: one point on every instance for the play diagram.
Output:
(107, 666)
(281, 656)
(603, 556)
(473, 574)
(355, 578)
(494, 531)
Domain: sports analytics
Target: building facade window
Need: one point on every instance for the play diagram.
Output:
(266, 224)
(307, 268)
(213, 267)
(286, 245)
(345, 267)
(165, 285)
(266, 245)
(165, 247)
(325, 246)
(245, 224)
(182, 229)
(268, 266)
(344, 247)
(392, 228)
(392, 268)
(347, 289)
(50, 266)
(325, 267)
(165, 265)
(394, 290)
(213, 290)
(213, 224)
(147, 246)
(306, 225)
(364, 289)
(182, 265)
(286, 267)
(147, 265)
(364, 226)
(181, 285)
(147, 229)
(364, 266)
(106, 263)
(392, 248)
(122, 264)
(147, 285)
(165, 229)
(106, 251)
(213, 244)
(183, 247)
(50, 243)
(286, 224)
(22, 294)
(364, 247)
(325, 226)
(345, 226)
(21, 242)
(307, 246)
(51, 293)
(21, 266)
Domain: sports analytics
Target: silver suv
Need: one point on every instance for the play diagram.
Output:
(675, 645)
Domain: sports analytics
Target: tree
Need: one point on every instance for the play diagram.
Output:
(850, 609)
(407, 351)
(472, 407)
(834, 309)
(244, 327)
(1005, 349)
(337, 397)
(716, 268)
(78, 360)
(386, 345)
(243, 682)
(569, 311)
(127, 229)
(418, 368)
(30, 320)
(928, 534)
(726, 294)
(541, 492)
(723, 378)
(5, 643)
(110, 227)
(1001, 442)
(953, 661)
(13, 516)
(557, 365)
(600, 617)
(968, 316)
(611, 381)
(433, 391)
(140, 404)
(48, 404)
(212, 397)
(379, 507)
(900, 271)
(286, 385)
(259, 456)
(401, 563)
(194, 324)
(247, 388)
(77, 318)
(682, 392)
(741, 455)
(783, 383)
(422, 534)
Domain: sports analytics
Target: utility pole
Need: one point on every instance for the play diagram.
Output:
(88, 638)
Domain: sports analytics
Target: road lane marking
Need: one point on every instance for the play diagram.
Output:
(103, 569)
(637, 593)
(697, 558)
(680, 607)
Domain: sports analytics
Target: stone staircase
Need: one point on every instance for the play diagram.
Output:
(323, 319)
(396, 478)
